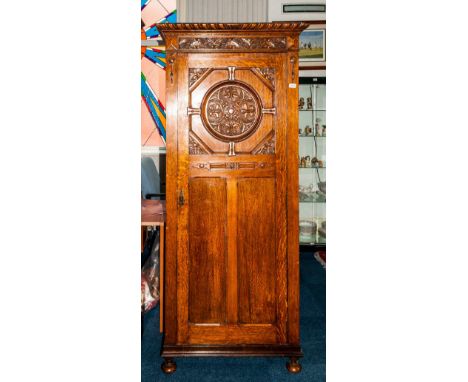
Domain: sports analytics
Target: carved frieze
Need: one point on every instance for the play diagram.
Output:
(232, 43)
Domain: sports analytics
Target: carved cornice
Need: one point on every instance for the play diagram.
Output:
(261, 27)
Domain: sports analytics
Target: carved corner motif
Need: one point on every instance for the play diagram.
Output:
(195, 148)
(195, 74)
(266, 147)
(232, 43)
(268, 74)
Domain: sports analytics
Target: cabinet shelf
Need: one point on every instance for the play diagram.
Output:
(319, 240)
(312, 123)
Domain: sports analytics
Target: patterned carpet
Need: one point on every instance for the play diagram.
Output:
(251, 369)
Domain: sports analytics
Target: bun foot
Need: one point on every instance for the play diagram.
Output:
(168, 366)
(293, 366)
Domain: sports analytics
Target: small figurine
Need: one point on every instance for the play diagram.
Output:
(301, 103)
(300, 131)
(303, 162)
(307, 161)
(324, 131)
(316, 162)
(309, 102)
(318, 128)
(308, 130)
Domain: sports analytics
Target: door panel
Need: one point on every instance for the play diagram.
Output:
(256, 250)
(207, 250)
(249, 95)
(232, 227)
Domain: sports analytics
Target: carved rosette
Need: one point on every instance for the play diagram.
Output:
(231, 111)
(195, 74)
(232, 43)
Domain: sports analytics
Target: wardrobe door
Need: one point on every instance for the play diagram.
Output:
(231, 228)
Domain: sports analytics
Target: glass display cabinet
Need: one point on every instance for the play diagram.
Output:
(312, 161)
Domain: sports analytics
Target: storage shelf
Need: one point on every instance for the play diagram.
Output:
(312, 202)
(318, 240)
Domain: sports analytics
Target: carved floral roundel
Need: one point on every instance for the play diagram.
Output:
(231, 111)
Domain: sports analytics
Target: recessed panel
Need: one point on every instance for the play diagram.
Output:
(256, 250)
(207, 250)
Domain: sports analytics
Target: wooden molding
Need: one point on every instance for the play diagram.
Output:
(207, 27)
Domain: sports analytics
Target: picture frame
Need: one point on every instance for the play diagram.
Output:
(312, 45)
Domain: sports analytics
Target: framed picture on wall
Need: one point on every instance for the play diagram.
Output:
(296, 10)
(312, 45)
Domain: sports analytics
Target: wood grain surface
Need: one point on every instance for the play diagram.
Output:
(232, 264)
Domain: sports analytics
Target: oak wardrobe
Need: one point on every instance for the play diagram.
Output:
(231, 281)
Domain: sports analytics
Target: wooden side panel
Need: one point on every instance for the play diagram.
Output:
(207, 250)
(256, 232)
(292, 200)
(281, 211)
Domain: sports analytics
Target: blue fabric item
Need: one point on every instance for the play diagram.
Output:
(150, 179)
(255, 369)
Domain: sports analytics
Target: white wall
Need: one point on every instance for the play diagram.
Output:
(219, 11)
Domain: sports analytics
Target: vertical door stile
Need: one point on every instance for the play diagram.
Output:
(183, 211)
